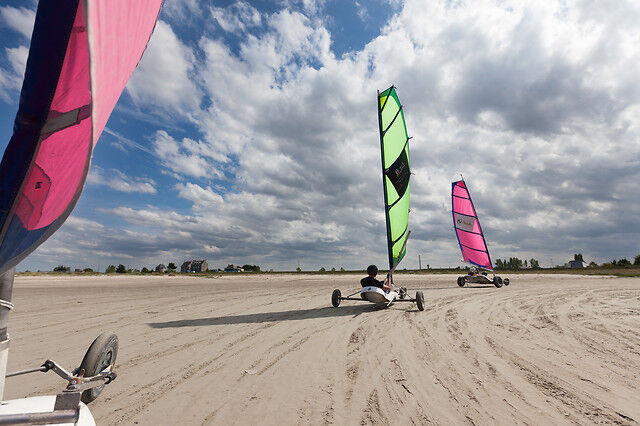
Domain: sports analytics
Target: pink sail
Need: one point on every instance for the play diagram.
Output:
(81, 56)
(467, 226)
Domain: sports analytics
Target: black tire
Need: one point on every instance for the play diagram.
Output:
(420, 300)
(506, 281)
(101, 354)
(335, 298)
(461, 281)
(497, 281)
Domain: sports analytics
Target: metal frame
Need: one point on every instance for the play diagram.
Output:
(76, 378)
(67, 405)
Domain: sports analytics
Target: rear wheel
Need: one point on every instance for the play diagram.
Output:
(461, 281)
(506, 281)
(420, 300)
(497, 281)
(335, 298)
(101, 354)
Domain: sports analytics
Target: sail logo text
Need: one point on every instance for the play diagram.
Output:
(460, 221)
(464, 222)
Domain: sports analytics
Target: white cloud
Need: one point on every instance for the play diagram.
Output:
(11, 79)
(236, 17)
(83, 225)
(18, 59)
(164, 78)
(183, 11)
(187, 157)
(310, 7)
(198, 195)
(119, 181)
(363, 14)
(19, 19)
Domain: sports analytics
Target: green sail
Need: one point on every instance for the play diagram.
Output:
(394, 143)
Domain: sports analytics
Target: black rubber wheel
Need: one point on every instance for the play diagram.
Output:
(101, 354)
(420, 300)
(497, 281)
(461, 281)
(506, 281)
(335, 298)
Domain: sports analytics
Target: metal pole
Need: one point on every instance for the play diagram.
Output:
(419, 263)
(6, 288)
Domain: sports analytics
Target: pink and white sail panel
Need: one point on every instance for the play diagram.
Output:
(81, 56)
(467, 226)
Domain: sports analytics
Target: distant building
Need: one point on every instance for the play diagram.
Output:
(231, 268)
(575, 264)
(194, 266)
(161, 268)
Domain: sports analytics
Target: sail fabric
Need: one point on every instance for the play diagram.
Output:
(467, 226)
(396, 172)
(81, 56)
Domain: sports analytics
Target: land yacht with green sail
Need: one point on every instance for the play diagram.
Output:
(396, 176)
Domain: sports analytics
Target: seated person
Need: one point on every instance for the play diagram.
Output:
(371, 280)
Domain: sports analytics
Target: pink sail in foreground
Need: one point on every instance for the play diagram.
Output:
(81, 56)
(467, 227)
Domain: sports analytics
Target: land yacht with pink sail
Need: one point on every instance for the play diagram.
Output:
(471, 238)
(81, 56)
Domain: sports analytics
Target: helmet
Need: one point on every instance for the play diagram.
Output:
(473, 270)
(372, 270)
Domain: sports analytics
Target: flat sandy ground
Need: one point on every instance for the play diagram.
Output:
(548, 349)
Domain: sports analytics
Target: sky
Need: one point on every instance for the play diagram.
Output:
(248, 133)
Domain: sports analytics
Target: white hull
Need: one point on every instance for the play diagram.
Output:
(43, 404)
(377, 295)
(478, 279)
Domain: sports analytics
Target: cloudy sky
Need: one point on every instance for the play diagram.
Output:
(248, 134)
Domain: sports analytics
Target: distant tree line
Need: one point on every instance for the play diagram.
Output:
(171, 267)
(516, 263)
(323, 269)
(624, 262)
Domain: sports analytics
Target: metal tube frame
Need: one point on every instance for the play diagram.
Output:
(67, 406)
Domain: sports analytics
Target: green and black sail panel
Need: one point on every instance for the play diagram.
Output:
(396, 173)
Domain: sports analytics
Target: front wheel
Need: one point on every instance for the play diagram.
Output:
(335, 298)
(461, 281)
(497, 281)
(420, 300)
(101, 354)
(506, 281)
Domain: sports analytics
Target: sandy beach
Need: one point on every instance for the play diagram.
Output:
(548, 349)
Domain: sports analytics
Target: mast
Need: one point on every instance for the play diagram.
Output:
(384, 184)
(6, 289)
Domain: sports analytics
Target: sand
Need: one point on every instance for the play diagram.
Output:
(548, 349)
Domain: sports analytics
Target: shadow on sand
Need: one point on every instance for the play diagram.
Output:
(299, 314)
(480, 286)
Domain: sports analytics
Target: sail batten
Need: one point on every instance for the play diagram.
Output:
(396, 173)
(467, 227)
